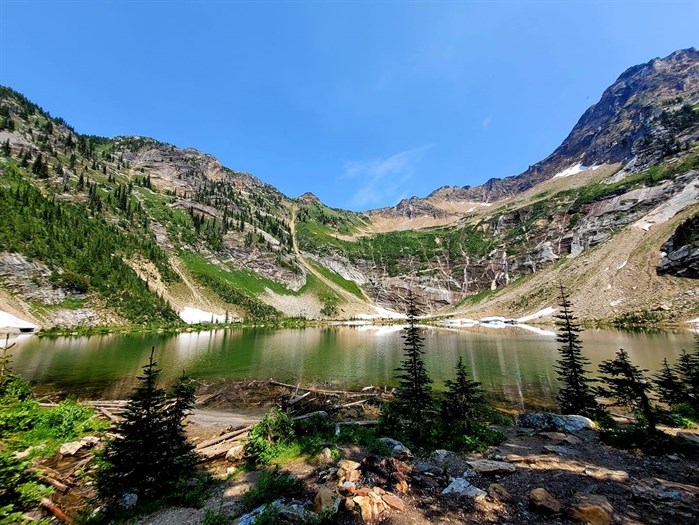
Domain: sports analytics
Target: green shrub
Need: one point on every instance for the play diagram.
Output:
(20, 488)
(268, 436)
(638, 437)
(272, 485)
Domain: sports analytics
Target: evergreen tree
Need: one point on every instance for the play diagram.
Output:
(464, 402)
(576, 394)
(687, 368)
(669, 385)
(626, 383)
(414, 402)
(182, 459)
(153, 456)
(6, 150)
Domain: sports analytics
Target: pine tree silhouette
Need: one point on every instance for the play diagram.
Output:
(414, 403)
(152, 456)
(669, 385)
(464, 402)
(576, 395)
(626, 383)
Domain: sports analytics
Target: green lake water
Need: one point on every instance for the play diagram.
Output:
(515, 366)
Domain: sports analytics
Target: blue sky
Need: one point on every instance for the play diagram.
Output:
(361, 103)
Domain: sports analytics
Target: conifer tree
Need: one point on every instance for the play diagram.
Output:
(687, 368)
(464, 402)
(576, 394)
(414, 402)
(182, 459)
(153, 456)
(626, 383)
(669, 385)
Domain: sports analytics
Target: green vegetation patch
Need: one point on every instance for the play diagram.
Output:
(85, 251)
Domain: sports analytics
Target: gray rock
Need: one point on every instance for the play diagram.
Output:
(554, 422)
(487, 466)
(70, 449)
(460, 487)
(398, 450)
(235, 453)
(128, 500)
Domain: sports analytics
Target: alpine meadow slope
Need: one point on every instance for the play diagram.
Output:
(132, 231)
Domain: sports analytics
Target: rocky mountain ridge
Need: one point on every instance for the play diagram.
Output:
(186, 231)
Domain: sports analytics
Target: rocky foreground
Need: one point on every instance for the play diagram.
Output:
(541, 473)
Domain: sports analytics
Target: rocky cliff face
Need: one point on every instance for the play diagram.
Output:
(224, 241)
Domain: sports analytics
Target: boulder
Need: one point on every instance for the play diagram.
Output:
(326, 455)
(128, 500)
(348, 470)
(70, 449)
(541, 500)
(561, 451)
(498, 492)
(663, 490)
(235, 454)
(90, 441)
(488, 466)
(393, 501)
(555, 422)
(440, 456)
(592, 509)
(398, 450)
(347, 488)
(605, 474)
(324, 499)
(371, 506)
(460, 487)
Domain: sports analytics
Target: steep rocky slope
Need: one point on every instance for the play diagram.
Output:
(131, 230)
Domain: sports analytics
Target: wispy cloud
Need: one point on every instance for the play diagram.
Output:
(382, 181)
(486, 121)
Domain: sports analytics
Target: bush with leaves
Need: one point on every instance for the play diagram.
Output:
(268, 437)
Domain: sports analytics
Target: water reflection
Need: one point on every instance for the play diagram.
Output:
(514, 365)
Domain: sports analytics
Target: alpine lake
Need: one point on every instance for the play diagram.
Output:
(514, 365)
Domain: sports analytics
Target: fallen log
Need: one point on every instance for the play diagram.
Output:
(360, 402)
(62, 487)
(363, 423)
(321, 413)
(223, 437)
(55, 510)
(296, 399)
(219, 449)
(320, 390)
(106, 413)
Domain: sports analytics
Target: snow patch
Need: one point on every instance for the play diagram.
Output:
(536, 315)
(382, 313)
(616, 303)
(622, 265)
(458, 322)
(193, 316)
(696, 321)
(574, 170)
(7, 320)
